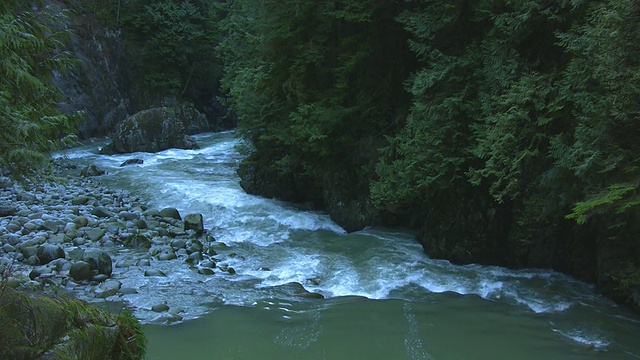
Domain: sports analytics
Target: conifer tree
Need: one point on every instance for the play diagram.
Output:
(31, 52)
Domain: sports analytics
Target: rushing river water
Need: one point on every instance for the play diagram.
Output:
(384, 298)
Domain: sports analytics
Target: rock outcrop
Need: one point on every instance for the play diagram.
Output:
(150, 130)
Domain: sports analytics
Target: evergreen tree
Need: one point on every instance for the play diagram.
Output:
(30, 52)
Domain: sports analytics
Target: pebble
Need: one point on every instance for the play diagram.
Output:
(71, 233)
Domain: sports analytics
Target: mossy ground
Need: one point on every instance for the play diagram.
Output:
(39, 326)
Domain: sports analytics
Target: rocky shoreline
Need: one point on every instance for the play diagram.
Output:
(73, 233)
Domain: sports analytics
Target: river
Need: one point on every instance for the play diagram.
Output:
(383, 297)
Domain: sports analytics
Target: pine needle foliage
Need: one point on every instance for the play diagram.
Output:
(31, 52)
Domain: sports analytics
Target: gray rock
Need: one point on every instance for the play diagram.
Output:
(47, 253)
(170, 213)
(178, 244)
(160, 307)
(75, 254)
(40, 271)
(128, 291)
(167, 255)
(103, 294)
(141, 224)
(96, 234)
(102, 212)
(137, 241)
(154, 272)
(8, 210)
(99, 260)
(81, 221)
(143, 262)
(81, 271)
(29, 251)
(194, 222)
(111, 285)
(92, 170)
(12, 228)
(150, 130)
(205, 271)
(99, 278)
(134, 161)
(129, 215)
(8, 248)
(80, 200)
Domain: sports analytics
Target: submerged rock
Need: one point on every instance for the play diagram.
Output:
(92, 170)
(134, 161)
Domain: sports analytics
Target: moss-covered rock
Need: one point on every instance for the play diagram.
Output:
(150, 130)
(42, 327)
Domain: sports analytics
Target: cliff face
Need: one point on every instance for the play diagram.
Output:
(97, 86)
(106, 86)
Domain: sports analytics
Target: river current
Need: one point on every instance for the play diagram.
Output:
(384, 298)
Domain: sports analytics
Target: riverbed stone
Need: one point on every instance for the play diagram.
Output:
(92, 170)
(102, 212)
(154, 272)
(80, 200)
(47, 253)
(160, 307)
(167, 255)
(99, 260)
(171, 213)
(12, 228)
(81, 271)
(8, 210)
(81, 221)
(194, 222)
(96, 234)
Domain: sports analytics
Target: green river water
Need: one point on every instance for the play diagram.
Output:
(383, 297)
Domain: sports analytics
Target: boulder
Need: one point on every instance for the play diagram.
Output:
(92, 170)
(170, 213)
(194, 121)
(150, 130)
(81, 271)
(134, 161)
(47, 253)
(99, 260)
(194, 222)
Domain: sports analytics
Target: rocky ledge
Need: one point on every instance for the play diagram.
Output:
(73, 232)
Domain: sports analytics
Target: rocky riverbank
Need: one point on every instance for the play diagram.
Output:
(80, 236)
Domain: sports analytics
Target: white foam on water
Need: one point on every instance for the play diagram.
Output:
(587, 338)
(297, 269)
(413, 342)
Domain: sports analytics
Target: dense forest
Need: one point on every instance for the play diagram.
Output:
(505, 131)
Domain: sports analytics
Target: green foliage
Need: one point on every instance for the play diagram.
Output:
(308, 80)
(173, 44)
(617, 199)
(131, 343)
(30, 53)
